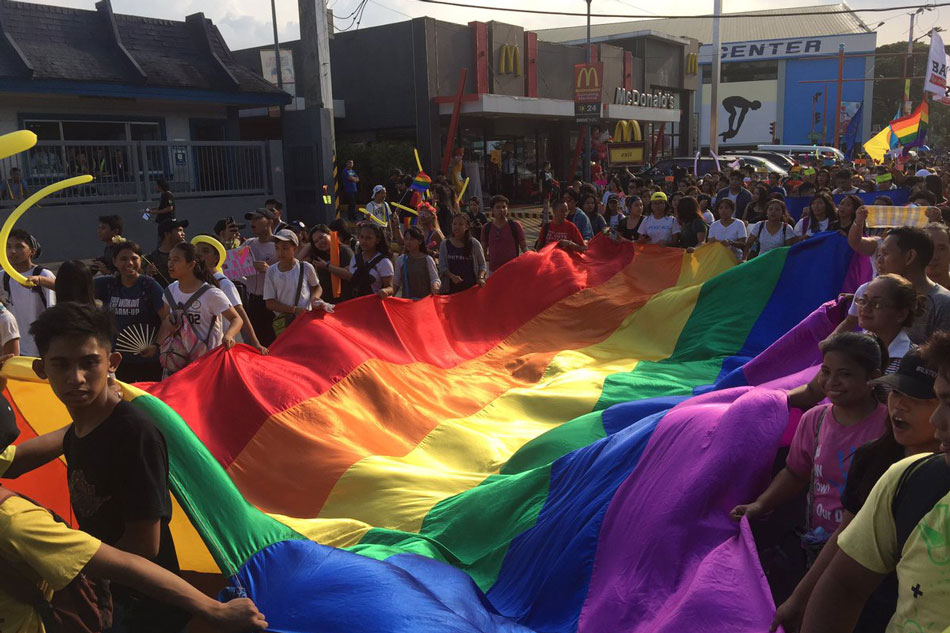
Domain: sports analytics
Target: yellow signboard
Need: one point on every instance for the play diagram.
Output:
(619, 154)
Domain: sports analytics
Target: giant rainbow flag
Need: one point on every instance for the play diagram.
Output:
(556, 452)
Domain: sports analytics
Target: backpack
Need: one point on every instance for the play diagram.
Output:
(921, 486)
(362, 281)
(37, 289)
(183, 345)
(82, 606)
(486, 233)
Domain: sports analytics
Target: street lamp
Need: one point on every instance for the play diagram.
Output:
(587, 142)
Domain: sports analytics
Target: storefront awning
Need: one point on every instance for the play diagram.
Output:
(492, 105)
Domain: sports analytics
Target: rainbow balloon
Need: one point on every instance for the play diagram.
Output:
(557, 451)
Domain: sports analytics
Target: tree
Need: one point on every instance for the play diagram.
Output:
(888, 95)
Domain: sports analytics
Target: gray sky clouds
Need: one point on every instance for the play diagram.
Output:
(247, 23)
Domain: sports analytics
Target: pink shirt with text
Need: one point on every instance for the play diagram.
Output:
(831, 459)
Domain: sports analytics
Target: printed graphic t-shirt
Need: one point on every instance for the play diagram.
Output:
(203, 312)
(831, 458)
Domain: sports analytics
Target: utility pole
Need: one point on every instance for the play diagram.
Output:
(587, 141)
(840, 85)
(280, 74)
(314, 132)
(714, 88)
(907, 63)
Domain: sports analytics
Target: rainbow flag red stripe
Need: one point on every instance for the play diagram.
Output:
(913, 127)
(555, 452)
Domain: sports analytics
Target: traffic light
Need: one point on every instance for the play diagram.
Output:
(818, 117)
(772, 129)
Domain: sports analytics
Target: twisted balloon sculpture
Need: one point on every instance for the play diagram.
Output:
(11, 144)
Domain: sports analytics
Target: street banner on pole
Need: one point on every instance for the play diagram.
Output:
(936, 77)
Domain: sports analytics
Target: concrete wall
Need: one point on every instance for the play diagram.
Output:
(373, 75)
(664, 64)
(612, 58)
(68, 232)
(508, 83)
(556, 70)
(455, 46)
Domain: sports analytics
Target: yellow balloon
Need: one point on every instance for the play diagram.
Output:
(373, 217)
(16, 142)
(218, 246)
(404, 208)
(20, 210)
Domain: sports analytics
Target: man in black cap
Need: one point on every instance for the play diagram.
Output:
(170, 234)
(228, 232)
(265, 254)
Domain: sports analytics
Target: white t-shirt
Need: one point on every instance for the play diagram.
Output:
(383, 268)
(26, 304)
(660, 231)
(822, 226)
(732, 233)
(262, 252)
(280, 285)
(8, 327)
(230, 291)
(768, 241)
(380, 211)
(202, 312)
(709, 217)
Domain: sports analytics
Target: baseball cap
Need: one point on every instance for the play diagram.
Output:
(659, 195)
(262, 212)
(286, 235)
(378, 188)
(613, 196)
(297, 225)
(167, 226)
(923, 173)
(8, 428)
(224, 223)
(913, 378)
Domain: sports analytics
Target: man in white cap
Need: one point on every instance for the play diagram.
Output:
(378, 208)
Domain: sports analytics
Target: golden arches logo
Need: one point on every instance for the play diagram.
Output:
(509, 60)
(588, 74)
(626, 131)
(692, 64)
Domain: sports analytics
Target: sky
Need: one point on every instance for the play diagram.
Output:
(246, 23)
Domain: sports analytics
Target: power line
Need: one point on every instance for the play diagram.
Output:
(724, 16)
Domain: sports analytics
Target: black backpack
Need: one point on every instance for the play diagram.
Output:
(921, 486)
(362, 280)
(37, 289)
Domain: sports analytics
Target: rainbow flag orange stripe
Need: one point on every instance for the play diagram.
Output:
(910, 128)
(478, 462)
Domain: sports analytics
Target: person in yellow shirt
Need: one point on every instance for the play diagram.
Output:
(47, 554)
(904, 527)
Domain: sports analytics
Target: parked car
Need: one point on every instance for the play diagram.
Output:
(784, 161)
(758, 163)
(664, 167)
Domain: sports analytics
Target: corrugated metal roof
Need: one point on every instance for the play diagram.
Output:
(811, 21)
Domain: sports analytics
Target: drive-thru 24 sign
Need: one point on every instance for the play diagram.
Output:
(588, 91)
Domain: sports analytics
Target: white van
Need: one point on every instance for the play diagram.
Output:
(823, 150)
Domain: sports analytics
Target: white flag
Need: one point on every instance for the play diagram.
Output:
(936, 80)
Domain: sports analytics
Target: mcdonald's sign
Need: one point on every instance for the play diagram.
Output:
(692, 63)
(587, 82)
(509, 60)
(626, 131)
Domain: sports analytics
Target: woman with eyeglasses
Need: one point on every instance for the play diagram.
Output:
(887, 308)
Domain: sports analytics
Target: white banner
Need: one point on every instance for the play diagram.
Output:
(936, 81)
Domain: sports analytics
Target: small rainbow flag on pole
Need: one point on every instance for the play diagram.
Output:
(913, 127)
(421, 182)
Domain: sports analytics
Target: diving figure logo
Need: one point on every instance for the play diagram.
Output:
(740, 106)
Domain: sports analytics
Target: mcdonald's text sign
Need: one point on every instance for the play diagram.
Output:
(588, 82)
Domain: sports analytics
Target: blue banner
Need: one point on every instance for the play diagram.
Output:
(797, 204)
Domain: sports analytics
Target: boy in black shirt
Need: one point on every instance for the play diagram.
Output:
(117, 461)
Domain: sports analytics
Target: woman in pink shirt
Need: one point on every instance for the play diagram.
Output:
(828, 436)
